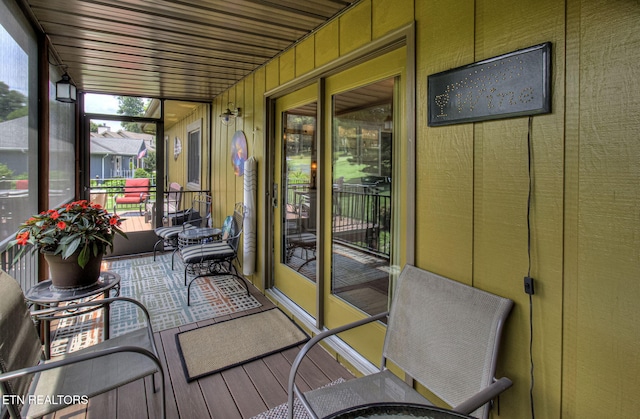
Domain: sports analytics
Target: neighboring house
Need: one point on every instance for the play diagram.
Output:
(13, 148)
(118, 154)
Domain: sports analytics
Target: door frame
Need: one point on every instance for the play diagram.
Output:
(404, 36)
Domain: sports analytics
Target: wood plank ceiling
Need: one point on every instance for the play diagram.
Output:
(188, 50)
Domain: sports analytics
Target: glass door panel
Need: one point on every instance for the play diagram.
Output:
(296, 213)
(364, 186)
(361, 212)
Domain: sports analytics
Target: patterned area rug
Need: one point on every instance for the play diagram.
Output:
(164, 294)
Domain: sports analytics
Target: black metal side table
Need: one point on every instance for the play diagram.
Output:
(44, 295)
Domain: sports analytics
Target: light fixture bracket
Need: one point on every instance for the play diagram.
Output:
(230, 114)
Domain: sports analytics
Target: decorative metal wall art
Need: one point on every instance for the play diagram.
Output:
(509, 85)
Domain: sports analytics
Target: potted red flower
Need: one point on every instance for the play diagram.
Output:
(76, 234)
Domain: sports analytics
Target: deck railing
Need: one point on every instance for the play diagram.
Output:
(361, 213)
(24, 270)
(362, 218)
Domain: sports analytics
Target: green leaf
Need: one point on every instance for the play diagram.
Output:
(83, 257)
(71, 248)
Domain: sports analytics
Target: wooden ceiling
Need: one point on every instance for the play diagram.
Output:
(188, 50)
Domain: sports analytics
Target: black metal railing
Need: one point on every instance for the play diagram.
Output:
(362, 218)
(361, 213)
(24, 270)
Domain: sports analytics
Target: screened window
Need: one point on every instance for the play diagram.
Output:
(18, 120)
(194, 146)
(61, 145)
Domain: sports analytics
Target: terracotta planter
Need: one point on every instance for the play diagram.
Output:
(66, 273)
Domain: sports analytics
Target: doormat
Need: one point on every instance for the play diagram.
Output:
(217, 347)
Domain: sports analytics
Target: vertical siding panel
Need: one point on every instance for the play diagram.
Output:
(572, 155)
(326, 43)
(609, 211)
(272, 74)
(287, 66)
(444, 163)
(305, 56)
(262, 204)
(501, 187)
(389, 15)
(355, 27)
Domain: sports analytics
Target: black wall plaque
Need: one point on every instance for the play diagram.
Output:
(513, 84)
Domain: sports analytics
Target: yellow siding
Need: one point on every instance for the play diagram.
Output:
(326, 44)
(608, 242)
(287, 66)
(272, 73)
(388, 15)
(355, 27)
(305, 56)
(177, 170)
(444, 232)
(472, 180)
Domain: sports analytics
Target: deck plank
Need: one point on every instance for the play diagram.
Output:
(171, 407)
(103, 405)
(132, 401)
(218, 398)
(280, 368)
(243, 391)
(328, 364)
(188, 397)
(267, 385)
(309, 371)
(237, 393)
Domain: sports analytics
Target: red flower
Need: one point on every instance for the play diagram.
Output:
(61, 225)
(54, 215)
(113, 221)
(22, 238)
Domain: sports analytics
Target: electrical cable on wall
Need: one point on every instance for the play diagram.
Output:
(529, 197)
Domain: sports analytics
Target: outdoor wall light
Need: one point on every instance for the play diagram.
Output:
(65, 90)
(230, 114)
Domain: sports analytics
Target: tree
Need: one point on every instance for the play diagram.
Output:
(131, 106)
(10, 102)
(5, 172)
(150, 161)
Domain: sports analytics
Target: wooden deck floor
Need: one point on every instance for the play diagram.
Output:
(239, 392)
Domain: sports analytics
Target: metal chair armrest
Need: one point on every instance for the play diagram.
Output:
(483, 396)
(292, 388)
(72, 359)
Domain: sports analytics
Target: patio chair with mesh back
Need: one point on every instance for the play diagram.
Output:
(135, 192)
(215, 257)
(194, 217)
(54, 384)
(441, 333)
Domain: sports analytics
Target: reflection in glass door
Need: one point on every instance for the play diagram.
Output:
(295, 171)
(300, 189)
(361, 199)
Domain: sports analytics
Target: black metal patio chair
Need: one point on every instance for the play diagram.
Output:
(215, 257)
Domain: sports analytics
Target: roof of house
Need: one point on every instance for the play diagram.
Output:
(13, 134)
(121, 146)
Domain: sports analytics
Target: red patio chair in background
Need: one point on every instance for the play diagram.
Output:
(136, 191)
